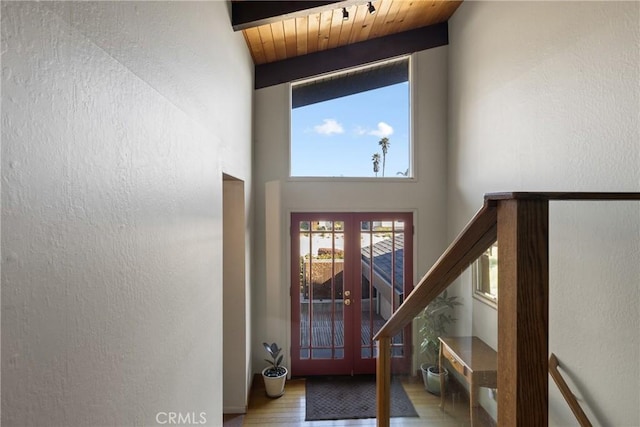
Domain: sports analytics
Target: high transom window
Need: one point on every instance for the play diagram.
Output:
(353, 124)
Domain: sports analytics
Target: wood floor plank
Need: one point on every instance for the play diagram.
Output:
(289, 409)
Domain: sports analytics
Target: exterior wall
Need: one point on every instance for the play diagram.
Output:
(277, 195)
(118, 121)
(544, 96)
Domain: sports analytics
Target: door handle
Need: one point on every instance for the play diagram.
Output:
(347, 293)
(347, 302)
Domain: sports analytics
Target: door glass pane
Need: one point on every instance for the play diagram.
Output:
(321, 304)
(382, 281)
(305, 289)
(368, 298)
(381, 250)
(321, 225)
(397, 343)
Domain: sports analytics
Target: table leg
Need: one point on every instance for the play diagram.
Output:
(442, 378)
(473, 400)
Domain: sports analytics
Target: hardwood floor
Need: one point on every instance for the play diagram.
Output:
(289, 410)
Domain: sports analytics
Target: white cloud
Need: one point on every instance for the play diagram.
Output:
(328, 127)
(383, 131)
(359, 131)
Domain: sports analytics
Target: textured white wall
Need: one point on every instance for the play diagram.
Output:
(236, 323)
(118, 119)
(546, 96)
(276, 194)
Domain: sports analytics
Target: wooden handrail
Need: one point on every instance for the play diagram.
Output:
(566, 392)
(563, 196)
(522, 221)
(476, 238)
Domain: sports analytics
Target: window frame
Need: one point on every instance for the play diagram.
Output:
(412, 151)
(478, 283)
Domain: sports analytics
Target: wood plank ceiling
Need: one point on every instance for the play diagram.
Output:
(323, 28)
(293, 40)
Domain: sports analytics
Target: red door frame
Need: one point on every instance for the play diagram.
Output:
(352, 362)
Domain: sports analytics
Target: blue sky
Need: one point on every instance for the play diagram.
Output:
(339, 137)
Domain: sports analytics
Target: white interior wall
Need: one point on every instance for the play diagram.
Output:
(544, 96)
(118, 119)
(279, 195)
(236, 323)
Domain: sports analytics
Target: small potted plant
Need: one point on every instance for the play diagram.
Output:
(274, 375)
(436, 317)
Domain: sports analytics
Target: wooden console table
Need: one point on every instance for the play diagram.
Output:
(474, 360)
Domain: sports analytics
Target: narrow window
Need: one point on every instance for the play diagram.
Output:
(485, 276)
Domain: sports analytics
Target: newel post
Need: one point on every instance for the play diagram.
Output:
(383, 382)
(523, 312)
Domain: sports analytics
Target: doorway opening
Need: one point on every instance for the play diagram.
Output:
(236, 358)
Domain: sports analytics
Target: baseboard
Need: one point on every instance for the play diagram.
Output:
(234, 410)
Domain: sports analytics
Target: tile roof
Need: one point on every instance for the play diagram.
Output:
(382, 260)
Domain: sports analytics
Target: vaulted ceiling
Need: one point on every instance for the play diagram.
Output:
(313, 37)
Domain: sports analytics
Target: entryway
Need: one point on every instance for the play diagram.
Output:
(349, 273)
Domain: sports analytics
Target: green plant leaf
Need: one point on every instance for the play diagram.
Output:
(436, 318)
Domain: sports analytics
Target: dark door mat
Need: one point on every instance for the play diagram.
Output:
(351, 397)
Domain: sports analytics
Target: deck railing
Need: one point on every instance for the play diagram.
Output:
(520, 223)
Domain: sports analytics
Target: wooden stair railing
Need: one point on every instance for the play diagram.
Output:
(519, 221)
(566, 392)
(476, 238)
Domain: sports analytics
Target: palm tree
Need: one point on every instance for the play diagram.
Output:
(376, 163)
(384, 143)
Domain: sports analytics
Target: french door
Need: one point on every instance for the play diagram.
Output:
(349, 273)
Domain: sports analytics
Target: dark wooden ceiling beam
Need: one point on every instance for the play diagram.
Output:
(252, 13)
(353, 55)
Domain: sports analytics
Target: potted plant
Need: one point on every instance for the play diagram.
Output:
(275, 375)
(436, 317)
